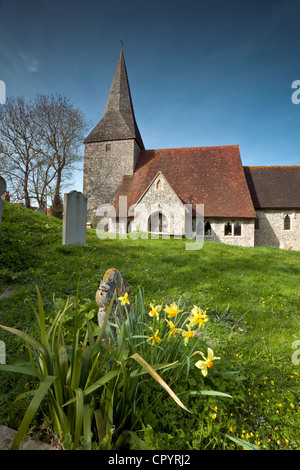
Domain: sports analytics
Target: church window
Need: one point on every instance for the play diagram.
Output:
(158, 223)
(237, 229)
(256, 223)
(108, 147)
(228, 229)
(159, 185)
(200, 228)
(129, 226)
(207, 228)
(287, 223)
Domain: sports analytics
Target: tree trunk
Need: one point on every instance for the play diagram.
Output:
(26, 193)
(57, 205)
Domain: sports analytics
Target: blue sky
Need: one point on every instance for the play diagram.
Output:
(201, 72)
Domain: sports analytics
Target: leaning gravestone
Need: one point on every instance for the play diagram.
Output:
(2, 191)
(112, 281)
(74, 220)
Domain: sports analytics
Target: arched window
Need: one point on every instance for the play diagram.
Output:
(129, 226)
(159, 185)
(228, 229)
(199, 230)
(287, 223)
(237, 229)
(207, 228)
(256, 222)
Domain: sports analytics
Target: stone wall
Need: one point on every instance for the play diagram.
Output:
(218, 232)
(160, 198)
(271, 229)
(105, 164)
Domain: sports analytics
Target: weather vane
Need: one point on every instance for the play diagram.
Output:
(121, 44)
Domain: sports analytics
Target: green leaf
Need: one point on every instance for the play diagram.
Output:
(89, 332)
(209, 392)
(100, 425)
(157, 377)
(44, 340)
(35, 344)
(19, 369)
(243, 443)
(106, 378)
(76, 369)
(79, 416)
(87, 427)
(31, 411)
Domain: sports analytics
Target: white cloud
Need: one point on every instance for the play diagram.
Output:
(32, 64)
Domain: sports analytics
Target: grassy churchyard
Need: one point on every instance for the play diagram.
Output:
(250, 300)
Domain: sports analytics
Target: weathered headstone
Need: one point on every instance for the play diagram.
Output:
(7, 436)
(74, 219)
(112, 281)
(2, 191)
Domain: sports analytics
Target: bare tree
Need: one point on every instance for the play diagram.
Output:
(61, 129)
(18, 152)
(39, 145)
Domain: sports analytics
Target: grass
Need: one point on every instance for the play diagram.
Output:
(251, 296)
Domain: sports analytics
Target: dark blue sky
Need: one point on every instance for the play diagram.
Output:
(201, 72)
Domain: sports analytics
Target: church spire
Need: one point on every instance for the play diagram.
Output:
(118, 121)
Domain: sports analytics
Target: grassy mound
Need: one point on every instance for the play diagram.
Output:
(251, 296)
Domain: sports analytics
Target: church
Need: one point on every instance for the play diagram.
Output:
(242, 205)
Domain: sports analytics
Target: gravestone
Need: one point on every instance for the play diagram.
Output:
(2, 191)
(74, 219)
(112, 281)
(7, 436)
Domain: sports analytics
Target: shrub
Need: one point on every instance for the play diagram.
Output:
(71, 375)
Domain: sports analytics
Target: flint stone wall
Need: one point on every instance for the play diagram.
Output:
(104, 170)
(271, 229)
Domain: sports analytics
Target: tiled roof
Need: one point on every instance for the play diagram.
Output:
(118, 121)
(274, 187)
(212, 176)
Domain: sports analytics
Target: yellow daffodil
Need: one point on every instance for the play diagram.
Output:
(124, 300)
(198, 317)
(187, 335)
(173, 329)
(155, 311)
(155, 338)
(207, 363)
(172, 310)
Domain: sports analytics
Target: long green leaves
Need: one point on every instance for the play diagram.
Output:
(90, 385)
(243, 443)
(156, 376)
(67, 380)
(31, 411)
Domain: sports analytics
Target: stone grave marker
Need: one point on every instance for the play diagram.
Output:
(2, 191)
(74, 219)
(112, 281)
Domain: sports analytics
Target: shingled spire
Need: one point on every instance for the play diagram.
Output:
(118, 121)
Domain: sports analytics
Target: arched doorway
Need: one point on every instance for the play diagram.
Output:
(158, 223)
